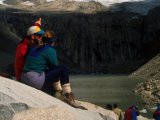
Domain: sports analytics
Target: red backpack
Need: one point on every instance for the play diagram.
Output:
(156, 115)
(128, 114)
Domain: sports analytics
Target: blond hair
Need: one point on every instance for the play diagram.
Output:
(49, 34)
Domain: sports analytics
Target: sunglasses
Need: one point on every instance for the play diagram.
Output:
(38, 35)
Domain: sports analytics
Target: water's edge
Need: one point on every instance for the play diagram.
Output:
(107, 89)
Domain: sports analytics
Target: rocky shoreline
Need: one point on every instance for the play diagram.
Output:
(150, 89)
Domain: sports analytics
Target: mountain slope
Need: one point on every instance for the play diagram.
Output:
(150, 70)
(58, 5)
(86, 7)
(137, 6)
(150, 89)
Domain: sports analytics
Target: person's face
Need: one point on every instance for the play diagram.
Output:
(37, 39)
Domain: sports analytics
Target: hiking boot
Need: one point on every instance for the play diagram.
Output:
(59, 95)
(70, 99)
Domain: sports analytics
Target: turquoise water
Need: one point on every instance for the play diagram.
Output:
(107, 89)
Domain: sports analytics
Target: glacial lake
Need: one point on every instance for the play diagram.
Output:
(107, 89)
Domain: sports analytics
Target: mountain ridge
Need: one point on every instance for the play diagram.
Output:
(84, 6)
(59, 5)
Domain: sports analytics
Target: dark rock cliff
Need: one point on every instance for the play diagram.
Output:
(102, 42)
(152, 33)
(150, 89)
(109, 42)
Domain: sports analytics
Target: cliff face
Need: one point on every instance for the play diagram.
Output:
(113, 42)
(152, 33)
(149, 90)
(101, 41)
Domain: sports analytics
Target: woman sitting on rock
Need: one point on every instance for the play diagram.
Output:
(41, 70)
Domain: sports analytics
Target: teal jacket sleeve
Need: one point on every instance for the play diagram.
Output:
(51, 56)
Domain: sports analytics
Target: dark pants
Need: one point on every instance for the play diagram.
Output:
(55, 74)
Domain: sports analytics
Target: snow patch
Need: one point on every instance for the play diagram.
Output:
(111, 2)
(27, 3)
(2, 2)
